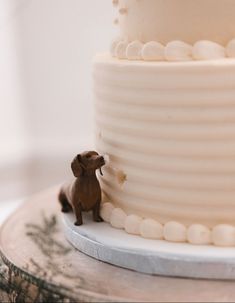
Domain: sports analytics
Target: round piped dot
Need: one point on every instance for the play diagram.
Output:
(208, 50)
(153, 51)
(106, 211)
(223, 235)
(132, 224)
(175, 232)
(151, 229)
(178, 51)
(199, 234)
(123, 10)
(118, 218)
(133, 51)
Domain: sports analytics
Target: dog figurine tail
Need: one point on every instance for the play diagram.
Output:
(65, 206)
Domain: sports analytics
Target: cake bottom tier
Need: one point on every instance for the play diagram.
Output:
(169, 132)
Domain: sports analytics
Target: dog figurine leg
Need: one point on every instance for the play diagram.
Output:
(65, 206)
(96, 212)
(78, 213)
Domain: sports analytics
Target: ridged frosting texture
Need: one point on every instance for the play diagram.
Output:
(169, 133)
(166, 20)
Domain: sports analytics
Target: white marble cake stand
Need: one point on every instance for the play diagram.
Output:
(102, 242)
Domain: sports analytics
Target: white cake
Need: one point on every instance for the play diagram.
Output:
(165, 113)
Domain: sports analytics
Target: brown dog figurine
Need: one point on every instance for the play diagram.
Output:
(84, 194)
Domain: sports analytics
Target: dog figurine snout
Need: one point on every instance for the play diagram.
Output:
(102, 160)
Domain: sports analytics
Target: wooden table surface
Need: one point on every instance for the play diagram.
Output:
(40, 265)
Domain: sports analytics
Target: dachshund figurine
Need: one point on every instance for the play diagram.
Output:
(84, 194)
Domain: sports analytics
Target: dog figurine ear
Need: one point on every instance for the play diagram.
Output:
(76, 166)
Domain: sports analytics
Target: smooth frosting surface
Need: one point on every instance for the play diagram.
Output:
(167, 20)
(169, 128)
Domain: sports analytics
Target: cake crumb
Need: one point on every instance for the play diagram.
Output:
(121, 177)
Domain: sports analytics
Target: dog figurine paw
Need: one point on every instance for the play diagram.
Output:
(84, 194)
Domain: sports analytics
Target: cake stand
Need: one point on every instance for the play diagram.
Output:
(41, 266)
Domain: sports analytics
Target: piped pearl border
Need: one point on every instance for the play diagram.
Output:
(197, 234)
(173, 51)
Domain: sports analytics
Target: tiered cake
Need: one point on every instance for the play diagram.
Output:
(165, 113)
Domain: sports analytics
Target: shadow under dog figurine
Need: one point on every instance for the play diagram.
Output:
(84, 194)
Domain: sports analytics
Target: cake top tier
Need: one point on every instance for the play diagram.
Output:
(168, 20)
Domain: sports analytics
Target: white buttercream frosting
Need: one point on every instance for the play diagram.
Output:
(106, 159)
(153, 51)
(175, 232)
(151, 229)
(132, 224)
(230, 49)
(172, 51)
(172, 231)
(120, 49)
(167, 20)
(118, 218)
(169, 128)
(133, 51)
(113, 47)
(104, 198)
(223, 235)
(202, 28)
(178, 51)
(208, 50)
(198, 234)
(205, 30)
(106, 211)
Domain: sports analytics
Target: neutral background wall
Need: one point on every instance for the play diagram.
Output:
(46, 51)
